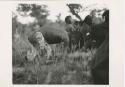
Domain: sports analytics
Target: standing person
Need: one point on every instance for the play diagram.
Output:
(70, 29)
(86, 30)
(39, 43)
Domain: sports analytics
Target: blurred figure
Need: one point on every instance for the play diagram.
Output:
(86, 30)
(70, 29)
(100, 31)
(100, 62)
(39, 43)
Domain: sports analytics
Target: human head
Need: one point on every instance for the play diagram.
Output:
(68, 19)
(88, 20)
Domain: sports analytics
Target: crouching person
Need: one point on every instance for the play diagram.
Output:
(42, 47)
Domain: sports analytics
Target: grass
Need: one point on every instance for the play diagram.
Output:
(62, 68)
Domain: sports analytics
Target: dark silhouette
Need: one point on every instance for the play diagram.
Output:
(100, 63)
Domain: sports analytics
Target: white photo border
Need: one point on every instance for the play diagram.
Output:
(116, 53)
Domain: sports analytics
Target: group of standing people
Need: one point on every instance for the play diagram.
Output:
(98, 34)
(78, 31)
(85, 32)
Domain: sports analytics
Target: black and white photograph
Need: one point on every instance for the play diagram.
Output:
(60, 43)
